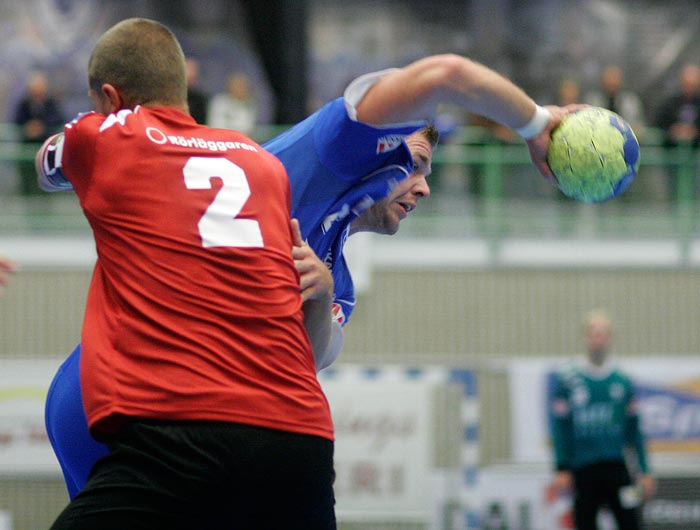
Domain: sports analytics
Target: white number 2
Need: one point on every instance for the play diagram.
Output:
(219, 226)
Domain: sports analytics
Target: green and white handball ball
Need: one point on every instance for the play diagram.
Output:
(594, 155)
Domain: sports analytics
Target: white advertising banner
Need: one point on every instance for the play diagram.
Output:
(382, 452)
(668, 391)
(24, 445)
(406, 444)
(382, 430)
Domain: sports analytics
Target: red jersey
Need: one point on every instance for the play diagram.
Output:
(194, 311)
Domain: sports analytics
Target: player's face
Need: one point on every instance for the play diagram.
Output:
(598, 338)
(384, 216)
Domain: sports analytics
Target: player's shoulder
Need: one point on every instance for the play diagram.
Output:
(621, 375)
(93, 123)
(568, 369)
(333, 116)
(82, 131)
(85, 119)
(570, 374)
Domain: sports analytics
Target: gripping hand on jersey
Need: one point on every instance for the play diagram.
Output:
(316, 285)
(315, 278)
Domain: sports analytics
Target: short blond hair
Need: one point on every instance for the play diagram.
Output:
(596, 315)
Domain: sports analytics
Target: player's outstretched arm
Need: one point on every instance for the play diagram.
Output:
(415, 91)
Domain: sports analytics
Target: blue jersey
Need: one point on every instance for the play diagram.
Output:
(337, 167)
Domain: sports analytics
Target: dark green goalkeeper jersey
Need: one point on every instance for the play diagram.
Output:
(594, 418)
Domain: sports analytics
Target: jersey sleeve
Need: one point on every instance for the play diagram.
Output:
(633, 431)
(560, 424)
(343, 304)
(353, 149)
(62, 157)
(343, 291)
(331, 143)
(49, 165)
(78, 152)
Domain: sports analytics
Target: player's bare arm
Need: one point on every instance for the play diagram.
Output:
(414, 92)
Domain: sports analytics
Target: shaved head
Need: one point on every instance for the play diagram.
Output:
(141, 58)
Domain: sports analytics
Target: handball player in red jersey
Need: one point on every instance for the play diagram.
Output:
(200, 375)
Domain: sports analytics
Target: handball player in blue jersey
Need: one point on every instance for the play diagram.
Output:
(357, 164)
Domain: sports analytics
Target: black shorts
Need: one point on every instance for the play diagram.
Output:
(207, 476)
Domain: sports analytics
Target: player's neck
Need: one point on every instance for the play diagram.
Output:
(182, 107)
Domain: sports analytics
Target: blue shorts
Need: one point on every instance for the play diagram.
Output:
(66, 425)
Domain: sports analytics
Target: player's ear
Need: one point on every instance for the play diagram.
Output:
(114, 98)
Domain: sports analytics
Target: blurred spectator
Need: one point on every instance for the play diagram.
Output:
(197, 100)
(234, 109)
(679, 119)
(493, 133)
(613, 95)
(680, 114)
(494, 130)
(38, 115)
(568, 92)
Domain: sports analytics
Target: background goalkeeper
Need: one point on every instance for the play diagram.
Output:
(594, 420)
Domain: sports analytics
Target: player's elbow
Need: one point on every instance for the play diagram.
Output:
(450, 72)
(47, 164)
(332, 350)
(43, 186)
(41, 179)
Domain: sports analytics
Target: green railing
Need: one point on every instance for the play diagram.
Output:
(481, 186)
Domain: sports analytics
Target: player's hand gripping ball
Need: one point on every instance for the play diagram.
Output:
(594, 155)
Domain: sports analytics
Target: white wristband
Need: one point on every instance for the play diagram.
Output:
(536, 125)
